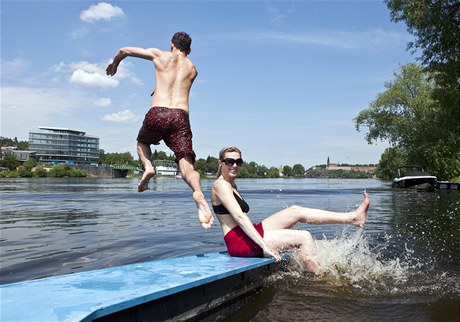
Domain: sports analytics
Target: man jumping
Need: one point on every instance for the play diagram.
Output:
(168, 117)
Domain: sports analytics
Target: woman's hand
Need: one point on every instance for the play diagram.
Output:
(268, 252)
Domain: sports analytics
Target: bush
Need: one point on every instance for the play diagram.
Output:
(24, 173)
(40, 172)
(65, 170)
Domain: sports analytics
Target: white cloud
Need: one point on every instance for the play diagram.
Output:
(103, 101)
(120, 117)
(87, 74)
(92, 79)
(101, 11)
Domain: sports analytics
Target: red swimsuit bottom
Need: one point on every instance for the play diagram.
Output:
(241, 245)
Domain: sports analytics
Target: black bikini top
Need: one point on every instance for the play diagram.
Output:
(221, 210)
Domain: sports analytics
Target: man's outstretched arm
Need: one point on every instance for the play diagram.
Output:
(124, 52)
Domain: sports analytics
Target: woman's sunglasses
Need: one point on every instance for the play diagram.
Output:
(229, 162)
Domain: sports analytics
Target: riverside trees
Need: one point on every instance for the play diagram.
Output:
(419, 113)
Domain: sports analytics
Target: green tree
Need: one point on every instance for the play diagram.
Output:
(287, 171)
(251, 169)
(244, 173)
(211, 164)
(23, 145)
(405, 115)
(117, 158)
(390, 160)
(273, 172)
(41, 172)
(161, 155)
(298, 170)
(60, 170)
(9, 161)
(30, 164)
(435, 25)
(402, 112)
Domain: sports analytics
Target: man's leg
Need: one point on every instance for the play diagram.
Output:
(192, 178)
(144, 152)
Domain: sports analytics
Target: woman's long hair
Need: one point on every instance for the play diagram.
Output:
(222, 155)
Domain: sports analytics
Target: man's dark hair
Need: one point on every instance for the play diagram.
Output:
(182, 41)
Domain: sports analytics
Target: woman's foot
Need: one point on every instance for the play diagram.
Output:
(361, 212)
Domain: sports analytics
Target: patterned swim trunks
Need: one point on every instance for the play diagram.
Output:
(172, 125)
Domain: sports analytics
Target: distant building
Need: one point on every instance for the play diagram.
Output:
(367, 169)
(360, 168)
(335, 166)
(21, 155)
(60, 145)
(166, 168)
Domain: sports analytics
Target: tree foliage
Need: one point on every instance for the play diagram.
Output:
(9, 161)
(435, 25)
(407, 116)
(65, 170)
(298, 170)
(390, 160)
(21, 145)
(117, 158)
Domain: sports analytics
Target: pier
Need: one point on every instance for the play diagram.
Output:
(446, 185)
(208, 286)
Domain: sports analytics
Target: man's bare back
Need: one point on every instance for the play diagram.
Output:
(175, 74)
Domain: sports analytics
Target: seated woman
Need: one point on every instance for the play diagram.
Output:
(273, 234)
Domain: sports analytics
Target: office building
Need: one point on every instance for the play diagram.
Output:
(60, 145)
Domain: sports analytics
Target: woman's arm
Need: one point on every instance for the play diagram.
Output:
(224, 192)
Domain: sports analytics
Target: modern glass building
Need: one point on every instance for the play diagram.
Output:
(60, 145)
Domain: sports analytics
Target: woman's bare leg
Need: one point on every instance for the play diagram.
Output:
(286, 218)
(302, 240)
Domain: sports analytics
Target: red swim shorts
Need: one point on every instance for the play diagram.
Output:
(172, 125)
(241, 245)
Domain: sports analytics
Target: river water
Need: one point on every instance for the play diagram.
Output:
(403, 266)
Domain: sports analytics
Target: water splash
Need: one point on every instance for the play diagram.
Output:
(349, 261)
(352, 265)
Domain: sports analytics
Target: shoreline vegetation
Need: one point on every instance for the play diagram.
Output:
(68, 171)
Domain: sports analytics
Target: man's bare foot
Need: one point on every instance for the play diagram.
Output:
(204, 213)
(361, 212)
(144, 183)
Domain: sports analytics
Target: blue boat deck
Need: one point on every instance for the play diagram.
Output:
(90, 295)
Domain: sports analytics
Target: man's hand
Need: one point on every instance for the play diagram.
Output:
(111, 69)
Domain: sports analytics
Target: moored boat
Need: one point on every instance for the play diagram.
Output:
(413, 176)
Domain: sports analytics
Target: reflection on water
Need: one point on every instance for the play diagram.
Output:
(404, 265)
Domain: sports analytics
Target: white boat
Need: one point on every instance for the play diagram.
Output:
(413, 176)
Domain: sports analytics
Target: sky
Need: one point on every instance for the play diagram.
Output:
(281, 80)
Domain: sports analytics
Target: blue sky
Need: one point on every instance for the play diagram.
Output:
(282, 80)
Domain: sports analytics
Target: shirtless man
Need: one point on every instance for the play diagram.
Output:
(168, 118)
